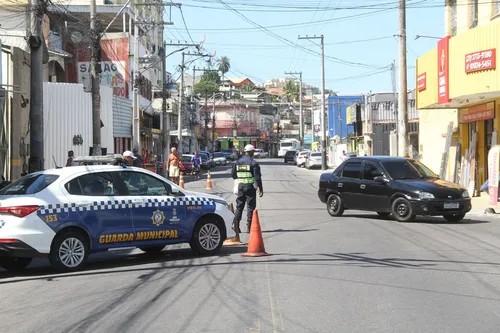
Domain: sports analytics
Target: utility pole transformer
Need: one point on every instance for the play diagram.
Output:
(324, 165)
(95, 70)
(37, 159)
(301, 116)
(403, 91)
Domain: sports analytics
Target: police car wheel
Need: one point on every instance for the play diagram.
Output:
(14, 264)
(69, 251)
(208, 237)
(152, 249)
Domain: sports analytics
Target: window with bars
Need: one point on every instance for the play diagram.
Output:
(452, 4)
(473, 9)
(496, 7)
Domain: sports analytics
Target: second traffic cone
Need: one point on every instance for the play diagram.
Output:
(181, 181)
(255, 242)
(236, 239)
(209, 181)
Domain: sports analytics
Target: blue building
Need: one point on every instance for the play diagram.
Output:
(337, 106)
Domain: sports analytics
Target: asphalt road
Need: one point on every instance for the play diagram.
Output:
(358, 273)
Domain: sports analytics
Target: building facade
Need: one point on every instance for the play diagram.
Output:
(461, 73)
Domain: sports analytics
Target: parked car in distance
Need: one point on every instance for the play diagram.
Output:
(259, 153)
(205, 162)
(389, 185)
(289, 156)
(301, 158)
(210, 158)
(229, 154)
(220, 159)
(313, 159)
(185, 165)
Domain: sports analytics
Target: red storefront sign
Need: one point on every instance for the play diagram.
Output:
(443, 73)
(422, 82)
(481, 61)
(478, 112)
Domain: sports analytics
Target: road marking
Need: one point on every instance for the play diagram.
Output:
(271, 300)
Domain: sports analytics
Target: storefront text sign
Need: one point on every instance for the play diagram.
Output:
(478, 112)
(480, 61)
(443, 73)
(493, 164)
(422, 82)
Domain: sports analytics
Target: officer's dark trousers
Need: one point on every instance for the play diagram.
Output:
(246, 193)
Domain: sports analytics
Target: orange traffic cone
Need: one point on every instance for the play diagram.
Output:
(255, 242)
(209, 181)
(236, 239)
(181, 181)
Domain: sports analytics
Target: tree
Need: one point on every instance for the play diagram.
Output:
(317, 91)
(248, 88)
(291, 90)
(224, 65)
(208, 85)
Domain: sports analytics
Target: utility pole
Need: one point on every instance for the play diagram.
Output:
(301, 119)
(165, 148)
(95, 70)
(36, 161)
(181, 108)
(324, 165)
(194, 82)
(403, 91)
(136, 114)
(213, 125)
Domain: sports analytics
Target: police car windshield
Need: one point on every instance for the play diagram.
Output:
(29, 184)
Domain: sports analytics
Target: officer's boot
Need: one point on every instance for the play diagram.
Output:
(236, 226)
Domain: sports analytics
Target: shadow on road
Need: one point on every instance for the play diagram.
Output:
(107, 261)
(289, 230)
(419, 219)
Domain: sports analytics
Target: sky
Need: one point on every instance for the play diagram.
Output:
(260, 37)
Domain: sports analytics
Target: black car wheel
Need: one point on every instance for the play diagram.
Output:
(383, 214)
(454, 217)
(334, 205)
(152, 249)
(402, 210)
(14, 264)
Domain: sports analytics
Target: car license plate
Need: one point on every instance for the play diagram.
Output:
(451, 205)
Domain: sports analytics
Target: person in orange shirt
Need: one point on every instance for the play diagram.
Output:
(173, 166)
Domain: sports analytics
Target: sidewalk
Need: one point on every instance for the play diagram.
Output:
(480, 204)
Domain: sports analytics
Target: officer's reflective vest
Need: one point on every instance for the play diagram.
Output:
(244, 174)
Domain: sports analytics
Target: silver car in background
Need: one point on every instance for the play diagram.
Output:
(313, 159)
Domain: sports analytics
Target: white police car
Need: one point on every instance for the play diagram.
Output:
(68, 213)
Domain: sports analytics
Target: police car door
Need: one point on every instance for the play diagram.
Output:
(158, 215)
(97, 201)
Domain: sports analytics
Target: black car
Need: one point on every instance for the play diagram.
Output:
(289, 155)
(387, 185)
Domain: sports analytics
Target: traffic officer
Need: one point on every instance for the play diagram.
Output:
(247, 172)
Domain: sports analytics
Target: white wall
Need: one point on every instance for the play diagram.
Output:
(432, 135)
(68, 112)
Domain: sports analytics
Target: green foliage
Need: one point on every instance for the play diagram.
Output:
(291, 90)
(208, 85)
(274, 99)
(224, 65)
(248, 88)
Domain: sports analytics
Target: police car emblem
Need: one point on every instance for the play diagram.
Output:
(174, 218)
(158, 217)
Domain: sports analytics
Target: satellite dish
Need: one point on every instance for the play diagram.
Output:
(76, 37)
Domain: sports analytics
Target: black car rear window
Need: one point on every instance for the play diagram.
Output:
(316, 154)
(290, 152)
(29, 184)
(352, 170)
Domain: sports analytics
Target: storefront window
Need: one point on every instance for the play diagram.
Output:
(496, 7)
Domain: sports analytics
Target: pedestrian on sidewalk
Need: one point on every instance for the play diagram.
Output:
(247, 172)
